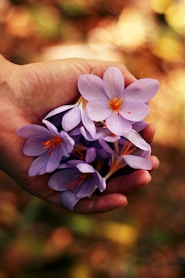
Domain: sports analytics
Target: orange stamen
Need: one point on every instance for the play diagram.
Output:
(127, 149)
(52, 143)
(81, 178)
(115, 104)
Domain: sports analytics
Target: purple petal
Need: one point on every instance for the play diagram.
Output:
(90, 184)
(100, 181)
(117, 124)
(54, 160)
(138, 126)
(98, 110)
(67, 141)
(69, 200)
(134, 111)
(106, 147)
(85, 168)
(32, 130)
(71, 118)
(38, 166)
(58, 110)
(52, 129)
(33, 147)
(113, 82)
(90, 155)
(62, 180)
(141, 90)
(86, 189)
(137, 162)
(88, 123)
(91, 87)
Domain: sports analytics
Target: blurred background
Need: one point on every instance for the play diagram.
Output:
(147, 238)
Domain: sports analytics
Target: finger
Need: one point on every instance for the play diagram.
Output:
(148, 133)
(129, 183)
(155, 162)
(101, 203)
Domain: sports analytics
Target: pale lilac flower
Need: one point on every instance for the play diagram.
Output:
(109, 100)
(81, 181)
(123, 153)
(49, 145)
(74, 115)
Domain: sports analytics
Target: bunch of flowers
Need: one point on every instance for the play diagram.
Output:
(85, 143)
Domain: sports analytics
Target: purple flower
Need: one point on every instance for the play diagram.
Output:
(123, 152)
(74, 116)
(49, 145)
(80, 180)
(109, 100)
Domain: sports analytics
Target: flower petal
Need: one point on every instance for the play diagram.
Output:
(71, 118)
(54, 160)
(138, 126)
(52, 129)
(138, 162)
(33, 147)
(85, 168)
(98, 110)
(137, 140)
(141, 90)
(59, 109)
(69, 200)
(113, 82)
(134, 111)
(86, 189)
(117, 124)
(88, 123)
(32, 130)
(91, 87)
(38, 166)
(61, 181)
(90, 155)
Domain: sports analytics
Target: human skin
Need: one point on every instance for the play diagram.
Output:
(27, 93)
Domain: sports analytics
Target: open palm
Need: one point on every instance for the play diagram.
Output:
(27, 94)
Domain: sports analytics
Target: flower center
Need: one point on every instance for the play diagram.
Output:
(52, 143)
(116, 103)
(128, 149)
(80, 178)
(82, 102)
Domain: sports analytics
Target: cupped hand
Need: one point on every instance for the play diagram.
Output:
(27, 94)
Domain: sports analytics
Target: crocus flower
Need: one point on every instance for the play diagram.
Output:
(109, 100)
(80, 181)
(74, 115)
(123, 153)
(49, 145)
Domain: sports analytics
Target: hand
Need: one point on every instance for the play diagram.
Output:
(27, 94)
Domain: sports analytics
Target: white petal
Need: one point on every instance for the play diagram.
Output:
(85, 168)
(135, 138)
(88, 123)
(59, 109)
(137, 162)
(71, 119)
